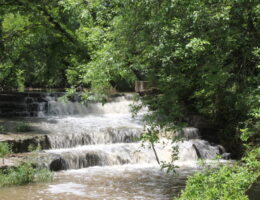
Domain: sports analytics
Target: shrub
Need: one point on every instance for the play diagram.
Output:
(225, 183)
(23, 127)
(23, 174)
(4, 150)
(2, 129)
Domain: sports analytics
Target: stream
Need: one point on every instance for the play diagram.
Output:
(97, 155)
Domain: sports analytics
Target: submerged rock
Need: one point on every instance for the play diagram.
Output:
(58, 164)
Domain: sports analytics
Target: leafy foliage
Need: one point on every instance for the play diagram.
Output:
(229, 182)
(4, 150)
(53, 43)
(201, 56)
(226, 182)
(2, 129)
(40, 46)
(23, 174)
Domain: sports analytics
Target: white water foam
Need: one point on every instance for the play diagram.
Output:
(107, 134)
(67, 188)
(92, 129)
(59, 108)
(124, 153)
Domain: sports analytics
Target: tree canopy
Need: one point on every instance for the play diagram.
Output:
(201, 56)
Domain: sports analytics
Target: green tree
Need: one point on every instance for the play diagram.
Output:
(201, 56)
(38, 44)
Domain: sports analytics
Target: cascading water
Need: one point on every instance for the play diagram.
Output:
(82, 136)
(98, 146)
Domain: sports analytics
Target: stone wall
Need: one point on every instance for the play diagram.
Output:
(22, 104)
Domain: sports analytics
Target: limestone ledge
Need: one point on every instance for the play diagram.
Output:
(20, 142)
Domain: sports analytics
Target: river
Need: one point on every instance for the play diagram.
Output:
(97, 155)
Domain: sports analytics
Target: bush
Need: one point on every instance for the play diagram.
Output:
(2, 129)
(5, 149)
(23, 127)
(225, 183)
(23, 174)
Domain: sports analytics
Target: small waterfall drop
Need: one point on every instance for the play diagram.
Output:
(61, 108)
(67, 108)
(189, 133)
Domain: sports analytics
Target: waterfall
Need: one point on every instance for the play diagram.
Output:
(82, 136)
(189, 133)
(97, 150)
(96, 136)
(67, 108)
(129, 153)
